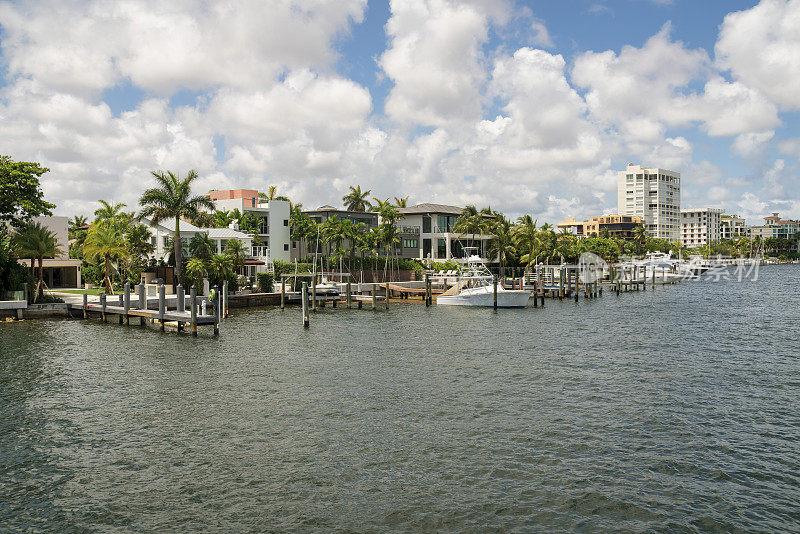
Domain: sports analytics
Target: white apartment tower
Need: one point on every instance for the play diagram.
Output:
(700, 227)
(655, 196)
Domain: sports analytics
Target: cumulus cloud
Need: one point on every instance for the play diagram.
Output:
(759, 46)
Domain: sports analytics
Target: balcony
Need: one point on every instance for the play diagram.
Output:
(260, 253)
(410, 230)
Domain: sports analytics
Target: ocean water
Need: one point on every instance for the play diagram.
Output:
(674, 409)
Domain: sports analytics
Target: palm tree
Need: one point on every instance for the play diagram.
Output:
(401, 202)
(237, 253)
(271, 195)
(204, 219)
(77, 222)
(356, 200)
(640, 238)
(220, 267)
(501, 245)
(201, 246)
(222, 218)
(105, 242)
(108, 211)
(173, 199)
(526, 239)
(35, 240)
(196, 270)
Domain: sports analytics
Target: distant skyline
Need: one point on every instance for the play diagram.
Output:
(526, 106)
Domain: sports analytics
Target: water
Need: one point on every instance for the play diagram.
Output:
(673, 410)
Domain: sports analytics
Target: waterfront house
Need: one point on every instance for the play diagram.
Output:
(622, 226)
(60, 271)
(273, 227)
(300, 249)
(426, 231)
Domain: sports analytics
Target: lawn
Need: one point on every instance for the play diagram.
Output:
(95, 291)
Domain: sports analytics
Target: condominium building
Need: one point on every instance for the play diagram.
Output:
(654, 195)
(622, 226)
(774, 226)
(426, 231)
(273, 228)
(732, 227)
(700, 227)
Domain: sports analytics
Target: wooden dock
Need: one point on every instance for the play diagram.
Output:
(180, 315)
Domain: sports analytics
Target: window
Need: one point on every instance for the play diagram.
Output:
(441, 248)
(426, 224)
(286, 246)
(410, 243)
(286, 222)
(294, 244)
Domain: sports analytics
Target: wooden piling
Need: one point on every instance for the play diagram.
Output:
(314, 293)
(283, 292)
(349, 294)
(304, 297)
(181, 297)
(494, 284)
(535, 295)
(374, 296)
(142, 297)
(103, 305)
(127, 302)
(193, 312)
(121, 305)
(161, 305)
(85, 305)
(387, 295)
(217, 310)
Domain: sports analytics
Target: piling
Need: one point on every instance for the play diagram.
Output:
(306, 317)
(387, 295)
(314, 293)
(349, 291)
(283, 292)
(121, 305)
(494, 284)
(181, 304)
(193, 312)
(103, 305)
(535, 295)
(217, 310)
(374, 296)
(127, 302)
(142, 297)
(161, 305)
(224, 307)
(85, 305)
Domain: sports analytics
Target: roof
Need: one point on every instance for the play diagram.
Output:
(431, 208)
(213, 233)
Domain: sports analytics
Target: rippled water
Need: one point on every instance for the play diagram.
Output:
(673, 409)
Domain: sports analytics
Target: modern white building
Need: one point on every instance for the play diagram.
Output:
(426, 231)
(699, 227)
(61, 271)
(654, 195)
(273, 230)
(732, 227)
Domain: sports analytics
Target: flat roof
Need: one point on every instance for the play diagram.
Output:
(428, 207)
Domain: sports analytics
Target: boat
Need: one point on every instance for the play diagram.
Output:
(474, 287)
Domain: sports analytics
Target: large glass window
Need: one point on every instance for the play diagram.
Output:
(426, 224)
(441, 248)
(426, 247)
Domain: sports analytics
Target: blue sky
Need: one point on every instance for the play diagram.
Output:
(530, 106)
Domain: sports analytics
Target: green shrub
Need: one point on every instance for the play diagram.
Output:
(266, 282)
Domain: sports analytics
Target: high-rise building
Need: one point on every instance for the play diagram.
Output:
(655, 196)
(732, 227)
(700, 227)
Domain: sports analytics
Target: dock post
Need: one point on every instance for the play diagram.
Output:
(577, 286)
(193, 312)
(181, 297)
(85, 305)
(216, 309)
(494, 287)
(224, 295)
(142, 297)
(283, 292)
(535, 295)
(560, 283)
(374, 296)
(653, 285)
(387, 295)
(121, 305)
(126, 303)
(314, 293)
(349, 294)
(103, 305)
(304, 298)
(161, 305)
(427, 283)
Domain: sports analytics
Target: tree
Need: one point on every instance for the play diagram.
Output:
(223, 219)
(37, 241)
(196, 270)
(220, 269)
(356, 200)
(108, 211)
(401, 202)
(272, 195)
(501, 245)
(173, 199)
(640, 238)
(12, 274)
(104, 243)
(201, 246)
(75, 226)
(237, 253)
(204, 219)
(526, 239)
(139, 246)
(21, 195)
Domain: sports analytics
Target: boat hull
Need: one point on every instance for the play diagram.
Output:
(505, 299)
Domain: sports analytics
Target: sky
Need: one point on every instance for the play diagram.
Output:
(523, 106)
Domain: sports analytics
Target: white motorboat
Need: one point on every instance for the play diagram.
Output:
(474, 287)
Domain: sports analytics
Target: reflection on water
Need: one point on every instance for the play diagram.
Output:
(672, 409)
